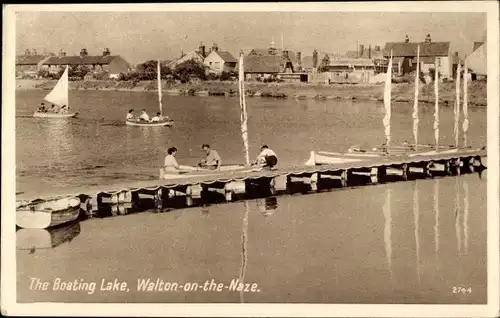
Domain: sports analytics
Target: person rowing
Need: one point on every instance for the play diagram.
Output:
(144, 116)
(131, 115)
(212, 161)
(171, 165)
(266, 158)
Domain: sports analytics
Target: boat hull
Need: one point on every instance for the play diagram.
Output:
(192, 171)
(28, 239)
(325, 158)
(158, 124)
(54, 115)
(48, 213)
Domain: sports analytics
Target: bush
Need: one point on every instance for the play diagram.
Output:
(225, 76)
(184, 70)
(212, 77)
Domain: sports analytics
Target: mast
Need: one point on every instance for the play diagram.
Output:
(456, 109)
(465, 125)
(387, 104)
(243, 106)
(159, 88)
(415, 103)
(436, 106)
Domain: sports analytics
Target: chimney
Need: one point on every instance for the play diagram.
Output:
(33, 52)
(315, 58)
(83, 53)
(299, 59)
(27, 52)
(106, 52)
(202, 49)
(361, 50)
(456, 54)
(377, 48)
(428, 38)
(285, 53)
(215, 47)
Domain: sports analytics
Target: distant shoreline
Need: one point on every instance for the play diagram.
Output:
(403, 92)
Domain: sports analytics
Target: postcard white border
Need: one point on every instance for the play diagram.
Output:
(8, 260)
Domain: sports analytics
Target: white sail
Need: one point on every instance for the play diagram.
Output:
(59, 94)
(436, 107)
(456, 109)
(465, 125)
(387, 103)
(159, 88)
(244, 116)
(415, 103)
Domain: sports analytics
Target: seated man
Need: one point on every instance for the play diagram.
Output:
(64, 109)
(53, 109)
(144, 116)
(41, 109)
(266, 158)
(157, 118)
(131, 115)
(212, 161)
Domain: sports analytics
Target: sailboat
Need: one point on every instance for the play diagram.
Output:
(165, 122)
(188, 171)
(59, 96)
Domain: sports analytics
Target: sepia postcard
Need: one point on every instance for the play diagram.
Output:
(251, 159)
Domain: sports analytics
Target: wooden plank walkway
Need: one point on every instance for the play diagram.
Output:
(374, 168)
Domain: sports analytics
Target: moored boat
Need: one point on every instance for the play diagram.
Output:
(45, 214)
(54, 115)
(30, 239)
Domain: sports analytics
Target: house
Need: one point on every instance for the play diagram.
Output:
(220, 61)
(30, 62)
(477, 61)
(193, 55)
(112, 64)
(265, 66)
(349, 70)
(431, 53)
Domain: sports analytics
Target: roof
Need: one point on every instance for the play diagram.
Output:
(263, 64)
(259, 52)
(351, 62)
(29, 59)
(401, 49)
(365, 54)
(226, 56)
(189, 56)
(77, 60)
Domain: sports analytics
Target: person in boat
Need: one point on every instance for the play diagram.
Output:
(53, 109)
(64, 109)
(131, 115)
(212, 161)
(157, 118)
(42, 108)
(170, 164)
(266, 157)
(144, 116)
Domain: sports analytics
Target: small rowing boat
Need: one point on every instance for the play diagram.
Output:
(32, 239)
(41, 214)
(189, 172)
(59, 96)
(149, 124)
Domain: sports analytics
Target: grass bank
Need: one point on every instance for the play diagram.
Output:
(403, 92)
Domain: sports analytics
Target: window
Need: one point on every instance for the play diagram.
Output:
(217, 65)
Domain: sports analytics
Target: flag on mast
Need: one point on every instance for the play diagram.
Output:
(465, 125)
(436, 107)
(456, 109)
(387, 103)
(415, 103)
(159, 87)
(244, 117)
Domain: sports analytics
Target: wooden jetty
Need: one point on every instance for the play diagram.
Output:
(310, 178)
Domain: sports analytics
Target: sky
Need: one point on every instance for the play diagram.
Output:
(141, 36)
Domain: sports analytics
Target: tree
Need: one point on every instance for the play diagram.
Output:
(324, 63)
(148, 70)
(186, 69)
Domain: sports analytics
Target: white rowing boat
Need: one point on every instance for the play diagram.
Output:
(32, 239)
(59, 96)
(44, 214)
(149, 124)
(164, 123)
(326, 158)
(189, 172)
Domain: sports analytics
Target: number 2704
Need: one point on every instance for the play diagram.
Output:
(462, 290)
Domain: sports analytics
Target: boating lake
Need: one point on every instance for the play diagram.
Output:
(405, 242)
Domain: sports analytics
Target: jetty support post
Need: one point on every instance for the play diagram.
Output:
(158, 198)
(289, 186)
(95, 202)
(228, 191)
(314, 180)
(189, 195)
(455, 166)
(382, 174)
(343, 178)
(272, 186)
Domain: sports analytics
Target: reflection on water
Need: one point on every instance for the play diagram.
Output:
(416, 215)
(308, 251)
(387, 230)
(244, 256)
(457, 216)
(33, 239)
